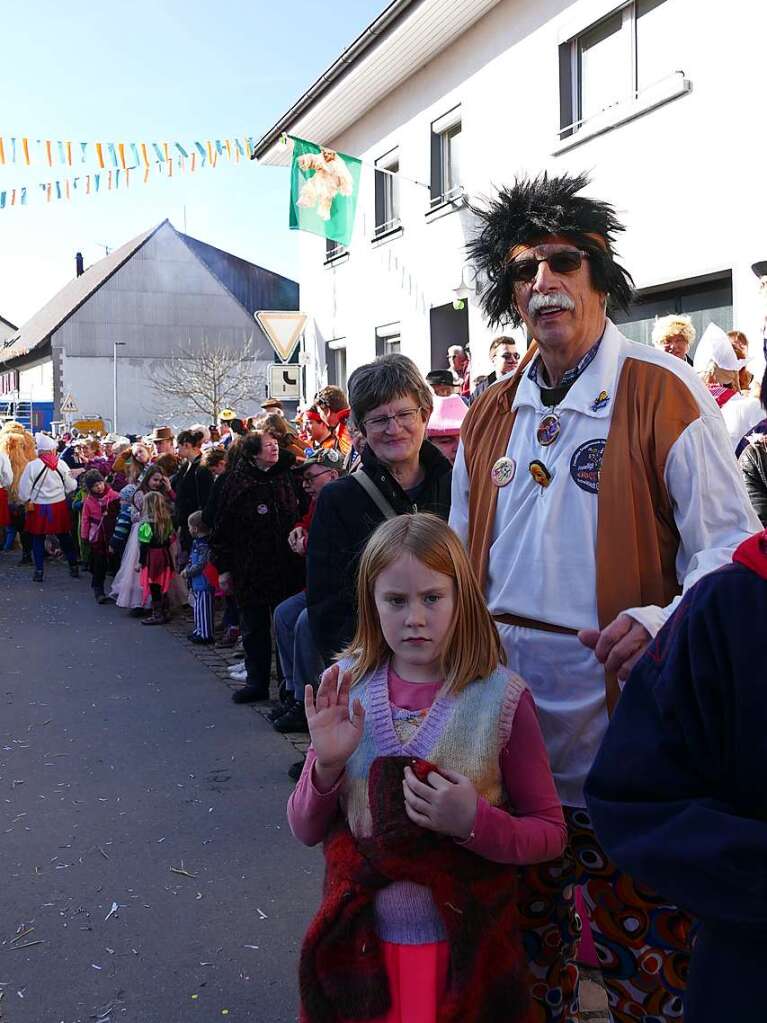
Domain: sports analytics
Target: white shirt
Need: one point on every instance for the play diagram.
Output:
(542, 561)
(741, 414)
(50, 488)
(6, 471)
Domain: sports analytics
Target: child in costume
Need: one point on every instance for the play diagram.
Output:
(197, 573)
(43, 487)
(157, 568)
(97, 523)
(426, 795)
(126, 587)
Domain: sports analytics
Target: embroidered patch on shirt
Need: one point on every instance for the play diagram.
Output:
(586, 463)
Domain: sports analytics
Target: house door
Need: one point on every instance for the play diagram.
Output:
(448, 326)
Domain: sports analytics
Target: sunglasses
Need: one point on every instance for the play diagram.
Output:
(565, 261)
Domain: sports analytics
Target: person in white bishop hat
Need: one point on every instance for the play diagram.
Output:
(43, 487)
(719, 366)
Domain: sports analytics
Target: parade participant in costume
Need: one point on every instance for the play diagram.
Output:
(226, 419)
(319, 433)
(678, 792)
(444, 426)
(425, 796)
(43, 487)
(591, 487)
(165, 450)
(720, 367)
(126, 586)
(19, 446)
(97, 524)
(753, 461)
(157, 567)
(674, 334)
(197, 575)
(332, 405)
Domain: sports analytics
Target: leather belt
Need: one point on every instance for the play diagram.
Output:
(531, 623)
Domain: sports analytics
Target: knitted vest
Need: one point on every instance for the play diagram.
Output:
(465, 732)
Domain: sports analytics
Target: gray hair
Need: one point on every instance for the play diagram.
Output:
(381, 381)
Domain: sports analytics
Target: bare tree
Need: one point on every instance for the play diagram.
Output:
(207, 378)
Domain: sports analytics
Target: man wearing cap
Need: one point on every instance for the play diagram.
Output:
(592, 487)
(273, 405)
(444, 426)
(43, 487)
(301, 661)
(226, 418)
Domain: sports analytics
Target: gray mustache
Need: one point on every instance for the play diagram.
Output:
(552, 300)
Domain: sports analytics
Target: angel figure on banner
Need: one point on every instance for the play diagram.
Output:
(331, 178)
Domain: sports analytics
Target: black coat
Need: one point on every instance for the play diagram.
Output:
(257, 509)
(753, 465)
(192, 484)
(343, 522)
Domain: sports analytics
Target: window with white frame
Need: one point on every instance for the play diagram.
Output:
(387, 193)
(613, 61)
(336, 362)
(446, 181)
(334, 249)
(388, 339)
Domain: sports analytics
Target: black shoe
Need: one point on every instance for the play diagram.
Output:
(296, 770)
(37, 577)
(250, 694)
(279, 710)
(293, 721)
(200, 640)
(26, 559)
(104, 599)
(74, 571)
(139, 612)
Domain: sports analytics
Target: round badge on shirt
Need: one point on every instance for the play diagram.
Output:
(548, 430)
(586, 463)
(263, 509)
(503, 472)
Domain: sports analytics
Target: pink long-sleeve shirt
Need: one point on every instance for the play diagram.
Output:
(533, 832)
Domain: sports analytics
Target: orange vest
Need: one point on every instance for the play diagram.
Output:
(637, 538)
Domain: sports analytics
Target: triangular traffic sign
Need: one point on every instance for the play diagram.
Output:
(283, 329)
(68, 404)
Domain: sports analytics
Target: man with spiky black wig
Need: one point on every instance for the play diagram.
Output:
(592, 486)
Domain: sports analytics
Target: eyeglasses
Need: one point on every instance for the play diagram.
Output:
(565, 261)
(307, 480)
(406, 418)
(509, 356)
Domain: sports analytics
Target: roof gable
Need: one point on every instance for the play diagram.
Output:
(251, 285)
(37, 330)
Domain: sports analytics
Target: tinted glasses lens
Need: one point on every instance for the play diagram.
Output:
(565, 262)
(524, 270)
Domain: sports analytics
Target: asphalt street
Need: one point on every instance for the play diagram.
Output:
(148, 872)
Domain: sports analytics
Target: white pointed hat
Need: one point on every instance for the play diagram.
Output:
(715, 346)
(45, 443)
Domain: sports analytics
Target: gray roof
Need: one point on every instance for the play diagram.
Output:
(250, 285)
(39, 327)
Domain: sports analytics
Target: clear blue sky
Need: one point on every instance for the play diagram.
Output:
(156, 70)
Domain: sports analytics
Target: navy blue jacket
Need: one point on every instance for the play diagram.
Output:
(678, 791)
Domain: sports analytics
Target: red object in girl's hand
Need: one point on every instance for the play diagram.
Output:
(422, 769)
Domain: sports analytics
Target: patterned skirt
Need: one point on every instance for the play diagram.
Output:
(46, 519)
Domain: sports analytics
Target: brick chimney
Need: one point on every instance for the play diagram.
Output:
(79, 266)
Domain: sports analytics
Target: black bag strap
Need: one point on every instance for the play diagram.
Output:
(374, 494)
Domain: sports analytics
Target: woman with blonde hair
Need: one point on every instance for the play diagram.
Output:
(18, 445)
(427, 794)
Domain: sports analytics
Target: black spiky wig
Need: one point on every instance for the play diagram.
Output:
(527, 212)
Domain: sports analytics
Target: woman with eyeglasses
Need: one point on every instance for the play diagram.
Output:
(400, 473)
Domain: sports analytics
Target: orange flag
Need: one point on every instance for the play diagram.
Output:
(145, 156)
(2, 152)
(48, 151)
(121, 150)
(69, 153)
(25, 148)
(100, 154)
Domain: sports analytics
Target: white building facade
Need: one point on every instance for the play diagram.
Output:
(650, 97)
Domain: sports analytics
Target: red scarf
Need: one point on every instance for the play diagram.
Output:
(721, 394)
(753, 554)
(49, 459)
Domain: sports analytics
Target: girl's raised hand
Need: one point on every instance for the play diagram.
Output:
(335, 735)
